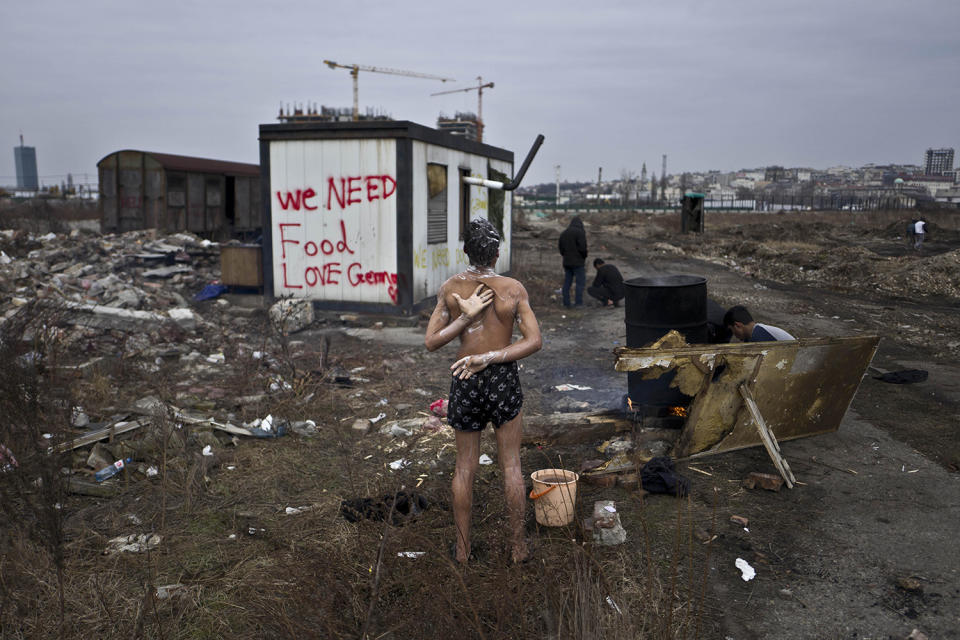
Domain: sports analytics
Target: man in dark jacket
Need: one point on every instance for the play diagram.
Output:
(608, 285)
(573, 248)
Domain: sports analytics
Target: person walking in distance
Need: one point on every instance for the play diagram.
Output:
(573, 248)
(919, 231)
(480, 308)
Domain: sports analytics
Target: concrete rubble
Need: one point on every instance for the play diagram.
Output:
(605, 524)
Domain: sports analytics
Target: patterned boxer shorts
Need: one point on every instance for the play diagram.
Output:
(493, 395)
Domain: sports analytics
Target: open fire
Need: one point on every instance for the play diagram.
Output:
(680, 412)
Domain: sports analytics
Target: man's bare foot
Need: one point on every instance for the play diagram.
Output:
(521, 552)
(462, 553)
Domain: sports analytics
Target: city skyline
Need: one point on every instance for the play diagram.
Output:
(714, 87)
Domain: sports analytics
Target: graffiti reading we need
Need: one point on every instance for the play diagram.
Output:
(342, 192)
(314, 262)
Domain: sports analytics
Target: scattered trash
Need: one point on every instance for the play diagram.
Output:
(304, 428)
(572, 387)
(7, 461)
(279, 384)
(379, 417)
(616, 446)
(208, 451)
(266, 428)
(739, 520)
(78, 418)
(396, 465)
(168, 590)
(613, 605)
(216, 358)
(433, 424)
(485, 459)
(213, 290)
(152, 471)
(292, 511)
(410, 554)
(396, 430)
(112, 470)
(439, 407)
(746, 571)
(133, 543)
(383, 402)
(916, 634)
(405, 505)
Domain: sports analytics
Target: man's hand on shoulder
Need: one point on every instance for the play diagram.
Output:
(477, 302)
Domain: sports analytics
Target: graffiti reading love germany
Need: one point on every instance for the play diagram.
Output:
(330, 261)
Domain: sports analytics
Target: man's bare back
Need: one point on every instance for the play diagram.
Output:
(487, 305)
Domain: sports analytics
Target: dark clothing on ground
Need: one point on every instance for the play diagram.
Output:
(492, 395)
(573, 244)
(659, 476)
(571, 274)
(608, 285)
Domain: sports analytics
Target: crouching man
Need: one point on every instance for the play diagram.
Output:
(480, 308)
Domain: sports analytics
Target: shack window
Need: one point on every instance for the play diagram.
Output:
(436, 203)
(464, 202)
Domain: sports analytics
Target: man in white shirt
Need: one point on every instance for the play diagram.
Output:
(919, 229)
(746, 329)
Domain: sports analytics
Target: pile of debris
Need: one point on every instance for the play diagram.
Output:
(129, 281)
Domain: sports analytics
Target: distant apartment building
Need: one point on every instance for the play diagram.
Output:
(26, 160)
(461, 124)
(936, 162)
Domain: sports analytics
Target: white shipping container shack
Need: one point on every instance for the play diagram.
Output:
(369, 216)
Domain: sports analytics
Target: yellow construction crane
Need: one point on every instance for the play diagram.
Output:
(355, 70)
(479, 89)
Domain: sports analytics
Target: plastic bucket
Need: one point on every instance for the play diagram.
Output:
(554, 495)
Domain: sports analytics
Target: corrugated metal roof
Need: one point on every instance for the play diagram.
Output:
(198, 165)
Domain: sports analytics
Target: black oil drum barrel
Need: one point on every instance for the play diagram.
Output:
(654, 306)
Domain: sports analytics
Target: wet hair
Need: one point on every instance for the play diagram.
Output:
(597, 262)
(481, 243)
(739, 314)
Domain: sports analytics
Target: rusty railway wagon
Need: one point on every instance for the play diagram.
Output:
(146, 190)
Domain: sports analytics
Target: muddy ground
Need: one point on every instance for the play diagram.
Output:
(881, 502)
(254, 543)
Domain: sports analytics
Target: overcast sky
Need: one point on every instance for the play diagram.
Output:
(714, 85)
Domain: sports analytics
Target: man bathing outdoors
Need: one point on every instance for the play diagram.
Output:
(481, 307)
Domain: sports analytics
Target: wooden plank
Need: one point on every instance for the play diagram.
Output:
(801, 387)
(101, 434)
(769, 441)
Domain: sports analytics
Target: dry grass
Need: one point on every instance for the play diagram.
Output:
(247, 569)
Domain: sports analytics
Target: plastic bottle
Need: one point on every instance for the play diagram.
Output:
(112, 470)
